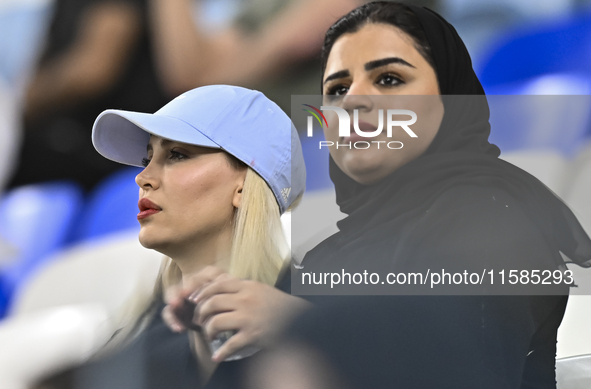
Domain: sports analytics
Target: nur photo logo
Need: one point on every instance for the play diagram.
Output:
(344, 121)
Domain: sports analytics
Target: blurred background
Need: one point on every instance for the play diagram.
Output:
(68, 216)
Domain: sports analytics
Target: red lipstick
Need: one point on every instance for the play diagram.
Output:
(147, 208)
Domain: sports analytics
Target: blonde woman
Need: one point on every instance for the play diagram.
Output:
(221, 164)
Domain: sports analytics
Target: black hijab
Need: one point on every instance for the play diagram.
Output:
(459, 156)
(456, 203)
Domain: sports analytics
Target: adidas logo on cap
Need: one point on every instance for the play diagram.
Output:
(285, 194)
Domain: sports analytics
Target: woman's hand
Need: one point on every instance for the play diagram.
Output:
(180, 310)
(218, 302)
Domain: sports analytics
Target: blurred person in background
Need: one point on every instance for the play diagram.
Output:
(106, 53)
(22, 27)
(446, 201)
(97, 56)
(9, 133)
(9, 139)
(211, 197)
(271, 45)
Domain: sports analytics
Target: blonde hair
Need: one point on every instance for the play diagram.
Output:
(259, 248)
(259, 251)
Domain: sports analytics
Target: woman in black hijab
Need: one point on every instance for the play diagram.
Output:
(451, 205)
(443, 201)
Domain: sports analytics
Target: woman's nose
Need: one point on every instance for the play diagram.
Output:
(147, 179)
(358, 98)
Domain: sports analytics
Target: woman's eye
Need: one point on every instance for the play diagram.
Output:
(336, 91)
(389, 80)
(175, 155)
(145, 162)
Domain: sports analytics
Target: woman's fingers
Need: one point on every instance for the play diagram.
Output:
(180, 311)
(230, 321)
(171, 320)
(227, 321)
(181, 317)
(176, 312)
(255, 311)
(214, 305)
(222, 284)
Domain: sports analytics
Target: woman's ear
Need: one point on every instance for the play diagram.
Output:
(237, 199)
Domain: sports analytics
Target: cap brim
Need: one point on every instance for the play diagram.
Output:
(122, 136)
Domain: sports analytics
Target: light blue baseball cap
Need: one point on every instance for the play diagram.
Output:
(240, 121)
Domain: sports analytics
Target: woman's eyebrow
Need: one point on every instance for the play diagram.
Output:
(163, 143)
(339, 74)
(386, 61)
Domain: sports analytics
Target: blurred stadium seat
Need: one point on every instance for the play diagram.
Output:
(314, 220)
(547, 84)
(38, 345)
(479, 22)
(559, 46)
(550, 122)
(3, 298)
(574, 372)
(578, 191)
(549, 58)
(112, 207)
(36, 220)
(114, 272)
(548, 166)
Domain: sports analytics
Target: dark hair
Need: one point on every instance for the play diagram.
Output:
(394, 14)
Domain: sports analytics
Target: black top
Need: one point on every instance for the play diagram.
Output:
(156, 359)
(435, 341)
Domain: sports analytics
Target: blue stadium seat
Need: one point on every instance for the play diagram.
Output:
(548, 112)
(549, 58)
(3, 297)
(112, 206)
(561, 46)
(36, 220)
